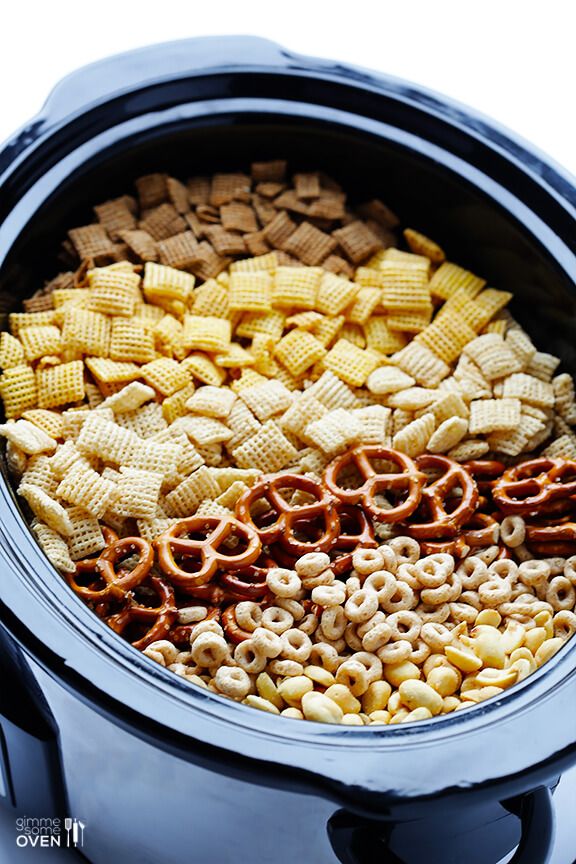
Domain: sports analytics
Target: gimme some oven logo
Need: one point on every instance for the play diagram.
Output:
(32, 831)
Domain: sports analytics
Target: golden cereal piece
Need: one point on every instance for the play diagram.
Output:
(334, 294)
(268, 450)
(131, 342)
(422, 245)
(40, 341)
(206, 333)
(298, 351)
(54, 547)
(296, 287)
(11, 351)
(113, 292)
(29, 319)
(18, 390)
(60, 385)
(449, 278)
(250, 292)
(351, 364)
(447, 337)
(200, 366)
(165, 375)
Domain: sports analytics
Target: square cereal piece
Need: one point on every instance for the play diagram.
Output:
(29, 319)
(111, 371)
(212, 401)
(131, 341)
(351, 364)
(145, 421)
(422, 364)
(175, 406)
(405, 287)
(105, 439)
(563, 447)
(296, 287)
(54, 547)
(204, 430)
(163, 286)
(250, 291)
(230, 496)
(494, 415)
(304, 409)
(86, 538)
(379, 336)
(163, 221)
(273, 171)
(116, 215)
(178, 194)
(87, 489)
(422, 245)
(267, 399)
(304, 320)
(11, 351)
(238, 217)
(542, 366)
(493, 356)
(235, 357)
(179, 251)
(376, 422)
(86, 332)
(30, 439)
(335, 432)
(298, 351)
(277, 231)
(93, 243)
(353, 333)
(357, 241)
(137, 493)
(140, 243)
(113, 292)
(409, 322)
(60, 385)
(326, 330)
(49, 421)
(447, 338)
(40, 341)
(414, 437)
(129, 398)
(334, 294)
(521, 345)
(211, 298)
(471, 448)
(149, 455)
(229, 187)
(242, 423)
(493, 301)
(267, 451)
(200, 366)
(184, 500)
(448, 405)
(165, 375)
(267, 262)
(265, 323)
(364, 304)
(529, 389)
(206, 333)
(39, 473)
(64, 457)
(18, 390)
(152, 190)
(333, 392)
(309, 244)
(449, 278)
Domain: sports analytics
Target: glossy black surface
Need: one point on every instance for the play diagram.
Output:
(498, 208)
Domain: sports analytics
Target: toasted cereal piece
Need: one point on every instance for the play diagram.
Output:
(140, 243)
(164, 285)
(168, 339)
(422, 245)
(268, 450)
(448, 434)
(303, 410)
(211, 299)
(28, 437)
(273, 171)
(60, 385)
(332, 392)
(149, 316)
(54, 546)
(405, 287)
(112, 372)
(296, 287)
(225, 477)
(364, 304)
(101, 437)
(184, 500)
(212, 401)
(381, 338)
(175, 406)
(149, 455)
(447, 337)
(493, 356)
(421, 363)
(49, 421)
(543, 366)
(267, 262)
(351, 364)
(449, 278)
(152, 190)
(86, 332)
(208, 508)
(514, 443)
(131, 342)
(414, 437)
(150, 529)
(86, 538)
(354, 334)
(74, 419)
(334, 294)
(69, 297)
(137, 493)
(29, 319)
(304, 320)
(64, 457)
(116, 216)
(251, 291)
(493, 301)
(165, 375)
(40, 341)
(11, 351)
(357, 241)
(448, 405)
(494, 415)
(242, 423)
(129, 398)
(211, 454)
(471, 448)
(409, 322)
(45, 508)
(267, 399)
(145, 421)
(18, 390)
(38, 472)
(163, 221)
(200, 366)
(375, 421)
(206, 333)
(204, 430)
(229, 187)
(327, 329)
(529, 389)
(248, 378)
(235, 357)
(335, 431)
(309, 244)
(298, 350)
(267, 323)
(388, 379)
(93, 243)
(113, 292)
(563, 447)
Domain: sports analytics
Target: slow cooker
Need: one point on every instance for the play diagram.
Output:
(155, 769)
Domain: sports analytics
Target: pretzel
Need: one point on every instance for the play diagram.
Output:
(480, 530)
(552, 532)
(103, 568)
(356, 528)
(291, 519)
(444, 523)
(408, 480)
(160, 618)
(458, 547)
(485, 472)
(527, 487)
(217, 530)
(231, 627)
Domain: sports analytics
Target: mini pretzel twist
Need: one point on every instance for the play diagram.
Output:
(287, 519)
(408, 480)
(444, 523)
(176, 541)
(355, 527)
(104, 568)
(528, 487)
(160, 617)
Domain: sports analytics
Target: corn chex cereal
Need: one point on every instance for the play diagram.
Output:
(11, 351)
(40, 341)
(251, 292)
(60, 385)
(350, 363)
(87, 489)
(86, 538)
(113, 292)
(165, 375)
(186, 498)
(296, 287)
(201, 366)
(268, 450)
(334, 294)
(449, 278)
(18, 390)
(206, 333)
(493, 356)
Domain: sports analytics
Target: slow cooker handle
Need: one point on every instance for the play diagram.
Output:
(357, 840)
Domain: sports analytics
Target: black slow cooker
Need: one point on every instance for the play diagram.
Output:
(155, 769)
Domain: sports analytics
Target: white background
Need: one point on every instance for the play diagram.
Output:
(512, 60)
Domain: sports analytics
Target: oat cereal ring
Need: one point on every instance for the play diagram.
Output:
(289, 521)
(407, 480)
(217, 531)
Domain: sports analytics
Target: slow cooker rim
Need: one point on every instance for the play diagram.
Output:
(407, 731)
